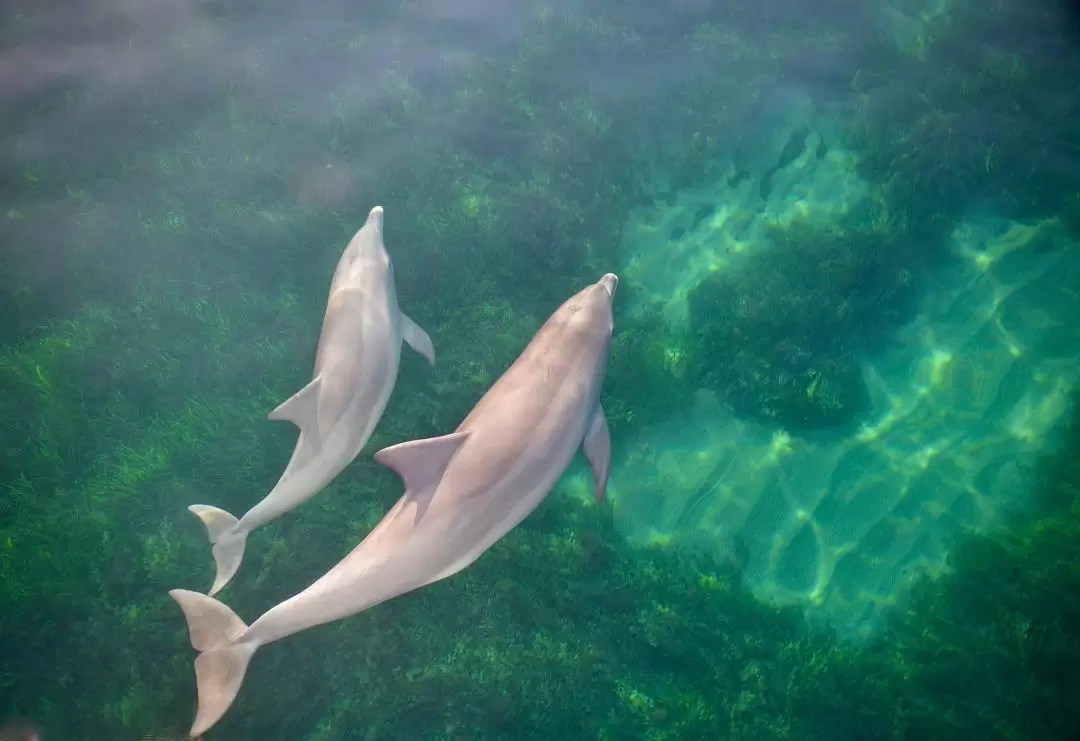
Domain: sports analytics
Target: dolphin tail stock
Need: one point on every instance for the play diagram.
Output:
(222, 661)
(227, 539)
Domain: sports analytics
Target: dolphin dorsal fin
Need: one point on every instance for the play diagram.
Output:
(420, 464)
(302, 409)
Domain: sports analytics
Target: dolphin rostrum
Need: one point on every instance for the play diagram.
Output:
(356, 366)
(463, 492)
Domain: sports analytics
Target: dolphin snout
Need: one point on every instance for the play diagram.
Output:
(375, 217)
(610, 282)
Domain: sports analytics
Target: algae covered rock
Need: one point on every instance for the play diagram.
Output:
(778, 336)
(822, 397)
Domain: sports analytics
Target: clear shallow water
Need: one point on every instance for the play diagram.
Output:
(845, 338)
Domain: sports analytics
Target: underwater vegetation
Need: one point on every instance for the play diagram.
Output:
(779, 336)
(561, 628)
(986, 117)
(160, 299)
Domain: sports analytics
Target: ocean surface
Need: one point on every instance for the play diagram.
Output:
(844, 494)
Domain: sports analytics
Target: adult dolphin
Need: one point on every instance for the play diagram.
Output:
(463, 492)
(356, 367)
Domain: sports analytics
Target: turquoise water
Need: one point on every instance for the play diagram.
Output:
(842, 500)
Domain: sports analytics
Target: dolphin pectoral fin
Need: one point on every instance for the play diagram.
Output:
(420, 464)
(417, 338)
(598, 451)
(302, 409)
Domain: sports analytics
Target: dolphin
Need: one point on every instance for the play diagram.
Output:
(463, 491)
(356, 366)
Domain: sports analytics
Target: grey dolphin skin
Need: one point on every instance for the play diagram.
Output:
(463, 492)
(356, 367)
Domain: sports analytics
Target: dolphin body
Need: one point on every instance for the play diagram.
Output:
(356, 366)
(463, 492)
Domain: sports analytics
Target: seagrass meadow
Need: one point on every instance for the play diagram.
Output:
(845, 499)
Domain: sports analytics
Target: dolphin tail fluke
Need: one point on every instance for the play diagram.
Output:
(222, 661)
(228, 541)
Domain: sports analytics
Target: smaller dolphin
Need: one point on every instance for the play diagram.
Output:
(356, 366)
(463, 492)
